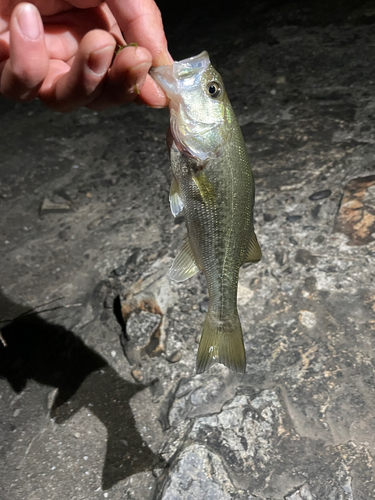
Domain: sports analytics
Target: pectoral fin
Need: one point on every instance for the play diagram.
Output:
(184, 265)
(205, 187)
(174, 198)
(254, 253)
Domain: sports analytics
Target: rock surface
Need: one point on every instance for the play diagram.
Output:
(98, 392)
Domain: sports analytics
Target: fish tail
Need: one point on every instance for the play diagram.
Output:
(221, 342)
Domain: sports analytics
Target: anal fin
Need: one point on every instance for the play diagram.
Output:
(254, 253)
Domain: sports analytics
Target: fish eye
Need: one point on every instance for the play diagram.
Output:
(214, 90)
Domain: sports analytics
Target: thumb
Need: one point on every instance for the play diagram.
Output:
(28, 61)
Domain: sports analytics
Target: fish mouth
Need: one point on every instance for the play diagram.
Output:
(170, 77)
(193, 135)
(163, 75)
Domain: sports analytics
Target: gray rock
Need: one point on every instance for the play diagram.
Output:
(202, 396)
(301, 494)
(53, 207)
(198, 473)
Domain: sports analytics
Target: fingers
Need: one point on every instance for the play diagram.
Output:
(68, 73)
(66, 89)
(125, 79)
(140, 21)
(28, 62)
(152, 95)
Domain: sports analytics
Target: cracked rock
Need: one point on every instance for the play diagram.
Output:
(201, 396)
(242, 431)
(301, 494)
(198, 473)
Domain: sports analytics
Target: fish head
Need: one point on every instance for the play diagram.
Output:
(199, 107)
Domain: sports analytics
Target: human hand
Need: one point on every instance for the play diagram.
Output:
(62, 50)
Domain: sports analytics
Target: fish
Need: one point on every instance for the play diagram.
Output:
(213, 186)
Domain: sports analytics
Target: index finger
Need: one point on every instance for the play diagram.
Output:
(141, 22)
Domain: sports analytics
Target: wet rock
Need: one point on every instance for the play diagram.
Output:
(356, 216)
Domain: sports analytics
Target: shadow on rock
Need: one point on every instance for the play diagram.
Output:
(54, 356)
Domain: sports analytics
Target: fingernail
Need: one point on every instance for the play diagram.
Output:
(29, 21)
(140, 79)
(170, 57)
(164, 59)
(100, 60)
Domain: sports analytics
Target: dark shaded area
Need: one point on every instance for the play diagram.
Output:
(253, 19)
(197, 11)
(54, 356)
(118, 315)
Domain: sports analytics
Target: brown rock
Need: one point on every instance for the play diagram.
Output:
(356, 216)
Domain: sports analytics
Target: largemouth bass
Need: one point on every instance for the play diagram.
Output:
(212, 184)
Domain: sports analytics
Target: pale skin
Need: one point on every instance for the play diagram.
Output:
(62, 51)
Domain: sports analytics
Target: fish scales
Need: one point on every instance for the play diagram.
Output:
(213, 185)
(220, 231)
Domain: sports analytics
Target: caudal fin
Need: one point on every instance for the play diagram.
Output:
(221, 343)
